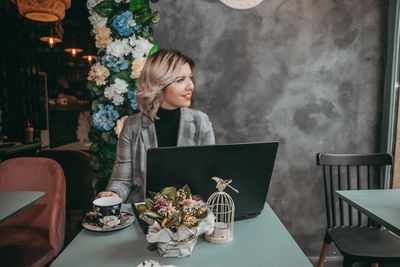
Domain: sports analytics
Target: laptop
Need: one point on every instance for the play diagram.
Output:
(249, 165)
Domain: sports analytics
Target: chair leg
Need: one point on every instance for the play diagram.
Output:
(374, 265)
(322, 256)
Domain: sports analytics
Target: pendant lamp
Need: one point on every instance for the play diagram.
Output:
(89, 58)
(55, 34)
(73, 50)
(43, 10)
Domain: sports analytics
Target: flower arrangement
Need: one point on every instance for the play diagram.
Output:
(124, 38)
(176, 218)
(173, 208)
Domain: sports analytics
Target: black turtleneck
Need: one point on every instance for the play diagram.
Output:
(167, 126)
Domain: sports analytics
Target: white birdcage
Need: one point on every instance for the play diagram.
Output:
(223, 207)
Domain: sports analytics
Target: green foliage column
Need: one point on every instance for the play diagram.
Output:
(124, 39)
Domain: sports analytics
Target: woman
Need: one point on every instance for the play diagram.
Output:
(164, 94)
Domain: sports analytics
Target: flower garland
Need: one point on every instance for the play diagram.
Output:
(124, 39)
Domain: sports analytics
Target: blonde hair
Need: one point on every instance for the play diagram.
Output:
(160, 70)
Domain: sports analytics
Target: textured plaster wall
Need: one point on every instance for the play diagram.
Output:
(306, 73)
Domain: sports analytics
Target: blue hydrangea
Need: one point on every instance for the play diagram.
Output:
(115, 64)
(132, 99)
(125, 24)
(105, 118)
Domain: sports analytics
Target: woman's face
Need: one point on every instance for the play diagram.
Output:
(179, 93)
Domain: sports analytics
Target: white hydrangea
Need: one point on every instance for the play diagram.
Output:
(92, 3)
(97, 20)
(114, 92)
(141, 47)
(119, 48)
(118, 100)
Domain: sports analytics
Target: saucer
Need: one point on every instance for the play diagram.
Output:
(126, 220)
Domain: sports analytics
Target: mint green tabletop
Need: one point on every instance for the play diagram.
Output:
(260, 241)
(13, 201)
(382, 205)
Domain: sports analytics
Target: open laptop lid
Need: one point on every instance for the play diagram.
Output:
(249, 165)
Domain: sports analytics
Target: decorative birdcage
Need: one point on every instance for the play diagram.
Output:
(223, 207)
(43, 10)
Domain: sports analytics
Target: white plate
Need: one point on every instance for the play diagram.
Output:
(126, 220)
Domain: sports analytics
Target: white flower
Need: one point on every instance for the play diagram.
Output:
(114, 92)
(119, 1)
(97, 20)
(141, 47)
(118, 100)
(90, 4)
(120, 124)
(120, 86)
(119, 48)
(167, 210)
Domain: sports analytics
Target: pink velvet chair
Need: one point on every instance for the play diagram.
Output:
(35, 235)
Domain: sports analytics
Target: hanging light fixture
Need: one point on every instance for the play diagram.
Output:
(89, 55)
(89, 58)
(53, 38)
(73, 50)
(43, 10)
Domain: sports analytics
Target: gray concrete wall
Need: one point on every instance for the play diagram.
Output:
(306, 73)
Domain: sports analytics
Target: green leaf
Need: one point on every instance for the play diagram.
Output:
(152, 194)
(148, 203)
(156, 18)
(137, 5)
(170, 192)
(105, 8)
(94, 134)
(94, 148)
(123, 75)
(203, 215)
(154, 1)
(186, 189)
(143, 16)
(95, 105)
(141, 208)
(109, 151)
(153, 214)
(154, 49)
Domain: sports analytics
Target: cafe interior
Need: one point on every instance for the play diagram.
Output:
(303, 99)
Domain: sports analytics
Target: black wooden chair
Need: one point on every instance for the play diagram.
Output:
(357, 237)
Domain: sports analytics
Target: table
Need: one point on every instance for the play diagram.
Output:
(383, 205)
(19, 149)
(259, 241)
(12, 202)
(74, 146)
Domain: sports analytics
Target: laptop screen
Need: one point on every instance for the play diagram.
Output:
(249, 165)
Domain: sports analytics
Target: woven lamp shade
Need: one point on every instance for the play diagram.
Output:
(43, 10)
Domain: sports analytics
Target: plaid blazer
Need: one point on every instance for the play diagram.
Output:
(128, 178)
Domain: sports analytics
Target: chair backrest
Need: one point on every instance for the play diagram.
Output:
(78, 176)
(37, 174)
(350, 172)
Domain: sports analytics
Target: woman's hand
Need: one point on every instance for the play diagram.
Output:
(106, 194)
